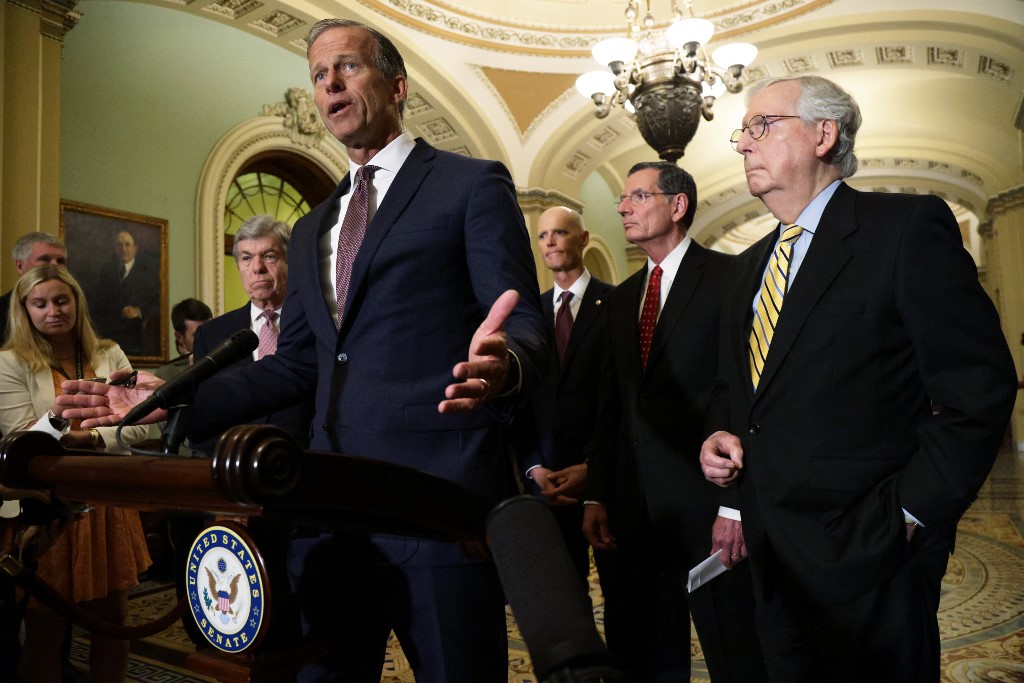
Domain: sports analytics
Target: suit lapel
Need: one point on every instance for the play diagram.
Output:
(585, 317)
(826, 257)
(691, 269)
(323, 322)
(624, 324)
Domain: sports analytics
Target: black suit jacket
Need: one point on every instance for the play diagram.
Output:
(294, 419)
(645, 463)
(563, 410)
(884, 319)
(5, 303)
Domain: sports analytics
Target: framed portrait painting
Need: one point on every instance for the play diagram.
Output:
(120, 259)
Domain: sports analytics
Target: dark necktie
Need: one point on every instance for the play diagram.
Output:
(123, 273)
(769, 303)
(649, 314)
(268, 334)
(563, 324)
(353, 229)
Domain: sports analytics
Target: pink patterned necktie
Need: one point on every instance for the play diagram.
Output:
(563, 324)
(268, 334)
(649, 314)
(353, 229)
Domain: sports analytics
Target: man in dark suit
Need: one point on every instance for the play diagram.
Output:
(32, 249)
(645, 497)
(128, 298)
(260, 250)
(563, 410)
(430, 283)
(870, 408)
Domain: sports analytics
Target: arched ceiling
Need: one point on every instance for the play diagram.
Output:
(939, 82)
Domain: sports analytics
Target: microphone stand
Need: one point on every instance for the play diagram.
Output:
(178, 419)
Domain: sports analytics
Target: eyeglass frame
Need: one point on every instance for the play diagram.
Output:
(642, 195)
(769, 119)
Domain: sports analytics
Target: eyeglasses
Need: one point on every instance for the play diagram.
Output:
(757, 126)
(639, 197)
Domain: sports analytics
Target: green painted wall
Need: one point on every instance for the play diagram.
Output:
(601, 218)
(142, 108)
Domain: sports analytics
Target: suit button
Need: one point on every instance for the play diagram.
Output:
(754, 429)
(342, 358)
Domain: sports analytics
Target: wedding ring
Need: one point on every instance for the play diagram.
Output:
(486, 384)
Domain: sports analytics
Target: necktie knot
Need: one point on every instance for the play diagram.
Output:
(565, 297)
(270, 315)
(792, 233)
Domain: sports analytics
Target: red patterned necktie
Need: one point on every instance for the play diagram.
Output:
(563, 324)
(649, 314)
(268, 334)
(353, 229)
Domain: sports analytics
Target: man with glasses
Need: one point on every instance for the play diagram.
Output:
(866, 387)
(646, 500)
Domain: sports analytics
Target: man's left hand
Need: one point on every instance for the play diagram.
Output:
(483, 375)
(568, 485)
(727, 536)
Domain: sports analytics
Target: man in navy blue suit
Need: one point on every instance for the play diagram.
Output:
(427, 301)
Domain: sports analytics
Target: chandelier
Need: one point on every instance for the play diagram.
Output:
(664, 77)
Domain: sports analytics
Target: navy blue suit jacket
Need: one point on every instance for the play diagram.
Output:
(294, 419)
(445, 242)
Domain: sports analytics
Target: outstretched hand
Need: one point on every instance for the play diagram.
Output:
(483, 375)
(105, 405)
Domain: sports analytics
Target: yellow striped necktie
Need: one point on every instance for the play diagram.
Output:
(769, 303)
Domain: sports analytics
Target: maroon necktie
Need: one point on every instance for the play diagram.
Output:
(563, 324)
(268, 334)
(353, 229)
(649, 314)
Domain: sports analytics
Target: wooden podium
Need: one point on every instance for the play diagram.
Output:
(256, 471)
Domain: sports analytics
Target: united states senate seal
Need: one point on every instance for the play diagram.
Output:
(226, 588)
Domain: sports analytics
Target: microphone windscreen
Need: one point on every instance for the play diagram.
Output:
(547, 597)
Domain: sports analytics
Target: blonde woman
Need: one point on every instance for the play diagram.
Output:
(101, 553)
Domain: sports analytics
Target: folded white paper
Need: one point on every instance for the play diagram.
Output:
(705, 571)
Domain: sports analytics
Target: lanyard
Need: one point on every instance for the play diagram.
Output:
(78, 365)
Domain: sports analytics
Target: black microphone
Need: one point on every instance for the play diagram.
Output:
(548, 600)
(184, 386)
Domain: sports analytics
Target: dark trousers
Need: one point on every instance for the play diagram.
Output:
(888, 634)
(647, 614)
(353, 591)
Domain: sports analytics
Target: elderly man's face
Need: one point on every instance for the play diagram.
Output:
(561, 240)
(264, 270)
(126, 248)
(41, 254)
(358, 105)
(784, 158)
(652, 217)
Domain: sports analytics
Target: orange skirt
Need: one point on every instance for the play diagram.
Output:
(103, 551)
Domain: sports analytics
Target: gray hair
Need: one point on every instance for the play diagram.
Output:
(386, 57)
(23, 247)
(819, 99)
(262, 225)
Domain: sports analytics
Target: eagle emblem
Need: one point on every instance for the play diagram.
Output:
(225, 598)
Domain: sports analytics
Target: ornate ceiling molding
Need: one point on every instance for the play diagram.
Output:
(476, 29)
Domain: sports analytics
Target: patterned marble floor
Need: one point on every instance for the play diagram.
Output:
(981, 616)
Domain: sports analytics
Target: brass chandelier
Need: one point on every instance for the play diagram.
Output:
(663, 77)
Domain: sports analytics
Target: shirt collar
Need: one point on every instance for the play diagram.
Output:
(577, 288)
(389, 159)
(811, 215)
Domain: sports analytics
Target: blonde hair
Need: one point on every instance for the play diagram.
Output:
(27, 342)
